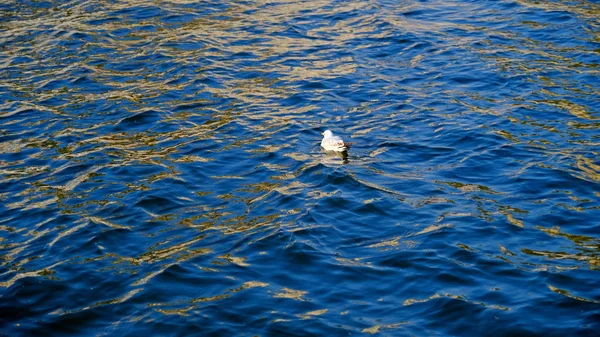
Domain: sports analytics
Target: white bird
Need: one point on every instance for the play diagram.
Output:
(333, 143)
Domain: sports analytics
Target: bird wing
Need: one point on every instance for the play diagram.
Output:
(333, 143)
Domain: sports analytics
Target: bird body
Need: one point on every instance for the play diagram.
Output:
(333, 143)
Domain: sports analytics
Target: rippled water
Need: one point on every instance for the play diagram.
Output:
(160, 168)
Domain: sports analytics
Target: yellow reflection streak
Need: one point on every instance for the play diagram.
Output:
(41, 272)
(312, 314)
(569, 295)
(412, 301)
(376, 328)
(291, 294)
(117, 300)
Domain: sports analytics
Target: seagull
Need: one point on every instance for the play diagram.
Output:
(333, 143)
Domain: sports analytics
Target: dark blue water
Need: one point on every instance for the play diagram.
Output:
(161, 175)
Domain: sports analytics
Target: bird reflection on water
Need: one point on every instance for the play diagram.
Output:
(333, 157)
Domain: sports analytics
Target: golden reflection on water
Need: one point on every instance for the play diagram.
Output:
(45, 272)
(588, 248)
(117, 300)
(377, 328)
(584, 8)
(412, 301)
(590, 170)
(312, 314)
(297, 295)
(196, 303)
(568, 294)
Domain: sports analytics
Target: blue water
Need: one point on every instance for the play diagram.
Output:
(161, 174)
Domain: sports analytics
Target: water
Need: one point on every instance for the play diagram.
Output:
(160, 168)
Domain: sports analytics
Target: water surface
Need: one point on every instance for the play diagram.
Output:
(160, 168)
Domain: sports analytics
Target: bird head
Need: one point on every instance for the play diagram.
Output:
(327, 133)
